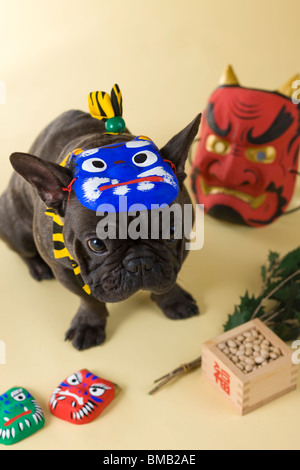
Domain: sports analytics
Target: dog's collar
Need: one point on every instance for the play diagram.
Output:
(60, 249)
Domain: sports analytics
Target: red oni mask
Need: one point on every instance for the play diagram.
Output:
(81, 397)
(249, 144)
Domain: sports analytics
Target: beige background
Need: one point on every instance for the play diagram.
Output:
(167, 56)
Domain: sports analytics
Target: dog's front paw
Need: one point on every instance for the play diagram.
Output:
(38, 269)
(85, 336)
(177, 304)
(185, 307)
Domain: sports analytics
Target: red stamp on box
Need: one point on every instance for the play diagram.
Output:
(222, 377)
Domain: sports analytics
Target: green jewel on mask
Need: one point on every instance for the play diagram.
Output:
(20, 416)
(115, 125)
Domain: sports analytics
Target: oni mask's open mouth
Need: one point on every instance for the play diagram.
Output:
(254, 202)
(12, 420)
(21, 425)
(156, 179)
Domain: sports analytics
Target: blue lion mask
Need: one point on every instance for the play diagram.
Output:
(134, 169)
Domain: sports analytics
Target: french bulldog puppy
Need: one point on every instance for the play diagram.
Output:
(113, 269)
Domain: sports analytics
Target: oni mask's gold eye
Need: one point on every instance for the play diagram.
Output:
(217, 145)
(262, 154)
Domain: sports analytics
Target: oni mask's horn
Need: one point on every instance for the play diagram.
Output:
(228, 77)
(287, 88)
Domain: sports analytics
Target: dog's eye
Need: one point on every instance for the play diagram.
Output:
(96, 245)
(145, 158)
(94, 165)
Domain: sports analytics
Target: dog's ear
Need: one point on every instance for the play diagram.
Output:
(177, 149)
(47, 178)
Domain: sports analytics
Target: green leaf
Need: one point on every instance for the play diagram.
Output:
(242, 312)
(263, 272)
(249, 303)
(237, 319)
(285, 332)
(289, 292)
(289, 263)
(272, 258)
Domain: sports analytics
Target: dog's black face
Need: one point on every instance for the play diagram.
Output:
(114, 268)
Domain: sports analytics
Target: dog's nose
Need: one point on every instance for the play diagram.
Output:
(138, 266)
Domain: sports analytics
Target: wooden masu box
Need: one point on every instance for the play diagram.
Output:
(246, 392)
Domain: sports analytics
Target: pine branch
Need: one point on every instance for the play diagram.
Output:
(268, 318)
(274, 291)
(271, 270)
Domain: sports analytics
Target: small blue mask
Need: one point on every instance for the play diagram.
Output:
(134, 169)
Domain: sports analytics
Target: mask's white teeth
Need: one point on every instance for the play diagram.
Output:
(254, 202)
(91, 187)
(70, 394)
(159, 171)
(121, 190)
(54, 403)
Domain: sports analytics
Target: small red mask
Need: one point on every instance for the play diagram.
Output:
(245, 165)
(81, 397)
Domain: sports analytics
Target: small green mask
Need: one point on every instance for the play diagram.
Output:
(20, 416)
